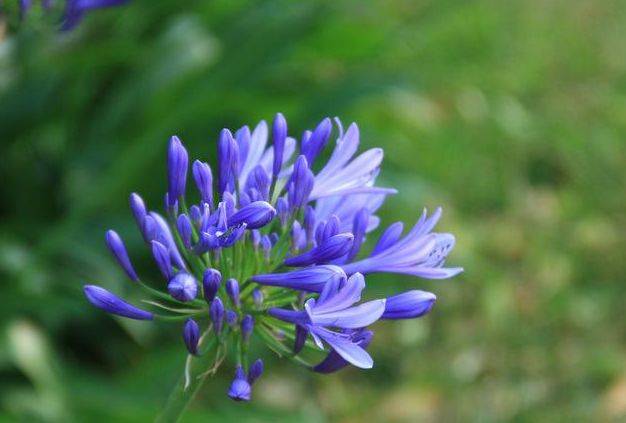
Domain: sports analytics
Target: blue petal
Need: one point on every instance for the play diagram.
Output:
(347, 349)
(351, 318)
(343, 298)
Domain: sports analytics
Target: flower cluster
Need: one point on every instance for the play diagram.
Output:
(73, 10)
(271, 249)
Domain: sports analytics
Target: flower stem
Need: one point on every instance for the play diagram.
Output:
(185, 390)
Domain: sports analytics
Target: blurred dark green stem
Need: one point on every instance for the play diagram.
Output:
(188, 385)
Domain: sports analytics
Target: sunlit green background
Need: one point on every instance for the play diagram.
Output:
(511, 115)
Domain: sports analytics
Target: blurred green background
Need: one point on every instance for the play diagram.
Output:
(511, 115)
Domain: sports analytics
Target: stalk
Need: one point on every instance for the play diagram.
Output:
(196, 372)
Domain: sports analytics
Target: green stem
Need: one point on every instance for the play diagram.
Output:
(188, 385)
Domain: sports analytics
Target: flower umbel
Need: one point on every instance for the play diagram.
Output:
(270, 251)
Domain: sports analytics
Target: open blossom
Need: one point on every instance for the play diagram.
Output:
(335, 309)
(419, 253)
(275, 241)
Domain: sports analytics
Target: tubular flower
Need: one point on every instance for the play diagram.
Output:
(335, 309)
(420, 253)
(271, 252)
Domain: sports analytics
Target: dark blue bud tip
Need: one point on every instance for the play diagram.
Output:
(231, 318)
(111, 303)
(177, 161)
(211, 283)
(257, 297)
(255, 371)
(216, 313)
(191, 336)
(247, 326)
(118, 249)
(232, 289)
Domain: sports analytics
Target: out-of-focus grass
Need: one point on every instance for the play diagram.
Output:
(510, 115)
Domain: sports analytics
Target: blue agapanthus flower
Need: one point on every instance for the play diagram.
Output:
(271, 249)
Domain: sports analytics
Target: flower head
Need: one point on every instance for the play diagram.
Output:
(285, 233)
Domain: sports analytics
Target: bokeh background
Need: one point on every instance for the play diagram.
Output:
(511, 115)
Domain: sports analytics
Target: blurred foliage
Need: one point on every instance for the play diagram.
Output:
(512, 115)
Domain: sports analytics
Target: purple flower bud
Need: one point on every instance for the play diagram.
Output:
(105, 300)
(257, 297)
(216, 312)
(191, 336)
(177, 162)
(138, 208)
(317, 141)
(196, 214)
(298, 236)
(204, 180)
(116, 245)
(279, 135)
(229, 204)
(359, 227)
(183, 287)
(164, 236)
(309, 223)
(247, 326)
(259, 181)
(232, 289)
(300, 184)
(231, 318)
(240, 389)
(244, 199)
(311, 279)
(301, 335)
(255, 371)
(282, 208)
(185, 229)
(409, 305)
(331, 228)
(162, 258)
(266, 245)
(319, 232)
(242, 136)
(274, 238)
(256, 238)
(222, 217)
(228, 158)
(211, 283)
(149, 228)
(388, 238)
(252, 195)
(171, 207)
(254, 215)
(330, 249)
